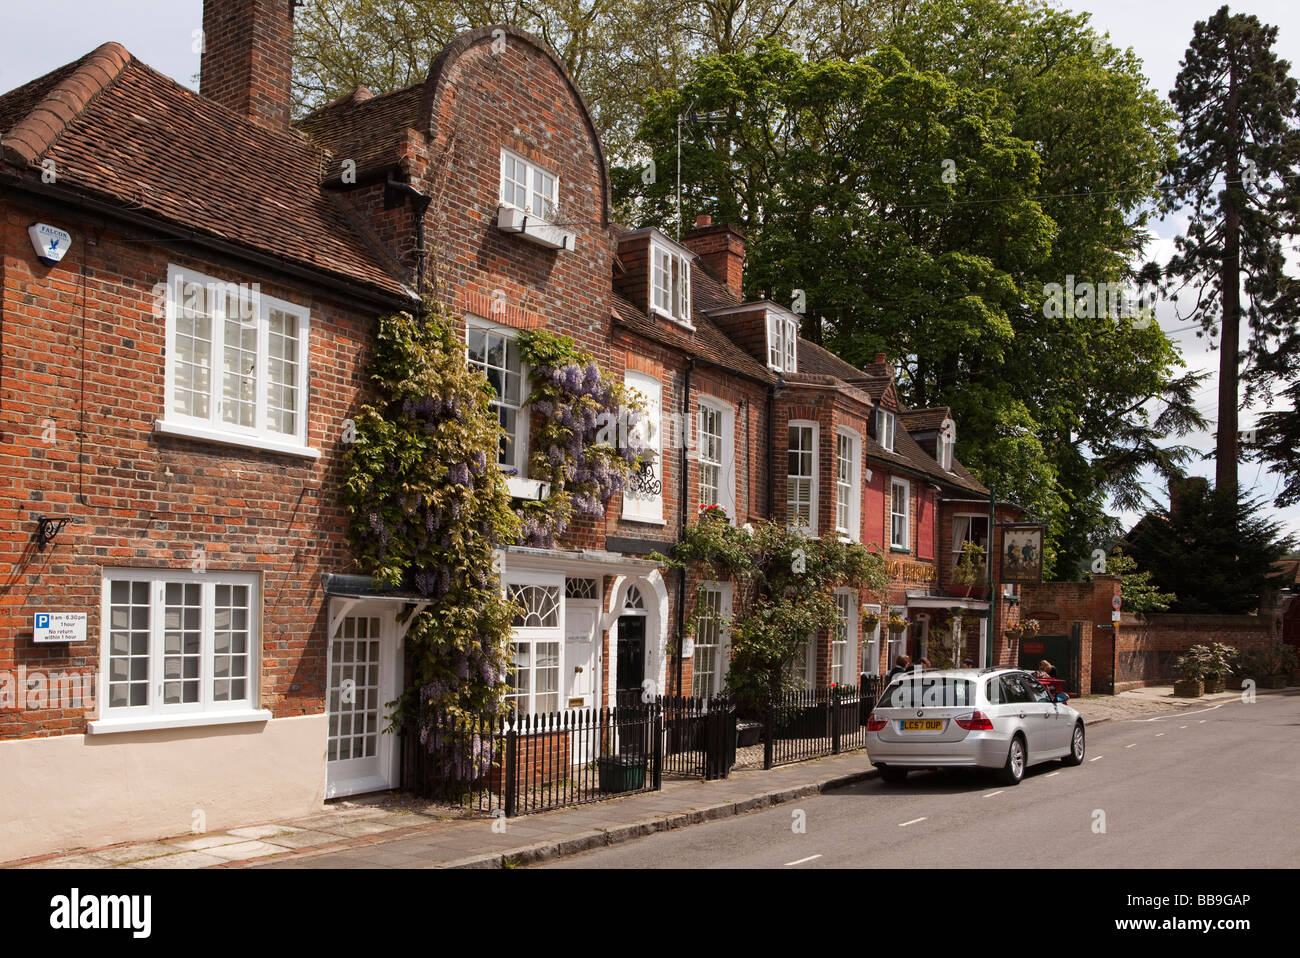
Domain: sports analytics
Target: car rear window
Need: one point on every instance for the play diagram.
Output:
(920, 690)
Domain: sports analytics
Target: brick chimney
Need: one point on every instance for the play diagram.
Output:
(247, 62)
(721, 250)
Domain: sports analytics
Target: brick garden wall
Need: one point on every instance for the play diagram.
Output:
(1148, 646)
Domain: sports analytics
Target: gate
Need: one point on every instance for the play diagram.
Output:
(1061, 650)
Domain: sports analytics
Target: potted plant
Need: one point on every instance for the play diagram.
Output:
(1191, 666)
(969, 569)
(897, 623)
(708, 511)
(1029, 627)
(1218, 659)
(870, 619)
(1269, 665)
(1013, 633)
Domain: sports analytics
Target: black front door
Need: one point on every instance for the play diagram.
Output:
(631, 656)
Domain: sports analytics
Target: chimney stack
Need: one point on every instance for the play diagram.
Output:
(247, 62)
(721, 250)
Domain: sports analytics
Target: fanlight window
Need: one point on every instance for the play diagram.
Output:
(634, 602)
(580, 589)
(541, 606)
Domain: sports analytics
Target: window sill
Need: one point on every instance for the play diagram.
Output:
(535, 229)
(146, 723)
(899, 550)
(208, 434)
(644, 522)
(664, 314)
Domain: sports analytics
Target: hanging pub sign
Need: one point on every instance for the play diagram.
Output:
(1022, 552)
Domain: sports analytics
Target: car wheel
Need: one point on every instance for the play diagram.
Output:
(892, 775)
(1014, 770)
(1077, 746)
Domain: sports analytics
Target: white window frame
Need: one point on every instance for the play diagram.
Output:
(532, 171)
(906, 545)
(670, 277)
(782, 342)
(721, 648)
(846, 601)
(886, 428)
(534, 636)
(208, 710)
(853, 490)
(791, 503)
(638, 507)
(522, 414)
(726, 463)
(871, 647)
(946, 444)
(957, 520)
(213, 427)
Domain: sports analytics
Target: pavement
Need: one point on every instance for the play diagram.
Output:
(392, 831)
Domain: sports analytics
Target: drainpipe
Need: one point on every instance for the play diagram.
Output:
(419, 205)
(994, 601)
(771, 446)
(681, 518)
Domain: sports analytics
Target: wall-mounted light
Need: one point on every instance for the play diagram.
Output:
(47, 527)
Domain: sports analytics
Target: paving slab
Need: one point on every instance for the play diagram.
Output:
(180, 860)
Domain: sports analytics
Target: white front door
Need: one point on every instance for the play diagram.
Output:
(580, 657)
(363, 673)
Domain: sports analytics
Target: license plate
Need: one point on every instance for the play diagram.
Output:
(923, 725)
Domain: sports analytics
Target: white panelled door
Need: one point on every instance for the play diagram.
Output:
(580, 657)
(363, 673)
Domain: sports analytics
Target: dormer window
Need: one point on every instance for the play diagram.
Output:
(670, 283)
(946, 444)
(527, 187)
(885, 425)
(782, 342)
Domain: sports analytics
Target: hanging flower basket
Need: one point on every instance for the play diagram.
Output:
(897, 624)
(1029, 627)
(1014, 633)
(869, 621)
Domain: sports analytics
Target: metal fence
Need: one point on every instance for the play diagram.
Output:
(532, 763)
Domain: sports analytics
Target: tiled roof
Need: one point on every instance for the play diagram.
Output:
(116, 128)
(371, 132)
(707, 342)
(924, 420)
(815, 359)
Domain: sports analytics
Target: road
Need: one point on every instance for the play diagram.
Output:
(1204, 788)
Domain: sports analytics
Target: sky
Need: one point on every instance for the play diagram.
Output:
(161, 33)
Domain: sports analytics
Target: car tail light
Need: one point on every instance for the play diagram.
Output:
(875, 724)
(975, 722)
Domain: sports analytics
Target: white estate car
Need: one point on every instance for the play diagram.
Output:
(980, 718)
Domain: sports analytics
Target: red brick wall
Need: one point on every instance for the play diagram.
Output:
(140, 500)
(1149, 645)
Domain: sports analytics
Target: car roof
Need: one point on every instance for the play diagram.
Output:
(959, 673)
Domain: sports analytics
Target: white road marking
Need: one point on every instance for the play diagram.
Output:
(991, 794)
(912, 822)
(1200, 721)
(1161, 718)
(1130, 746)
(1097, 759)
(1050, 774)
(1158, 734)
(802, 860)
(1182, 726)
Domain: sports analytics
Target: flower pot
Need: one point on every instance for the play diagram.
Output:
(958, 591)
(1214, 685)
(980, 592)
(1189, 688)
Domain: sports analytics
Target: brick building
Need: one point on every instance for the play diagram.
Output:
(175, 386)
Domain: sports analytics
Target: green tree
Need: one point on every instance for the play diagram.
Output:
(1136, 589)
(1212, 550)
(617, 52)
(1239, 157)
(913, 217)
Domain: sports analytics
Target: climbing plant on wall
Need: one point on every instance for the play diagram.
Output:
(427, 506)
(585, 443)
